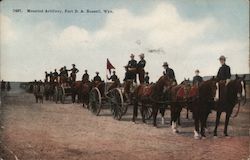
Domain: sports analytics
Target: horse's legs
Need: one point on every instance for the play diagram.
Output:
(226, 123)
(155, 111)
(135, 110)
(196, 124)
(162, 111)
(207, 114)
(174, 117)
(203, 124)
(217, 122)
(142, 113)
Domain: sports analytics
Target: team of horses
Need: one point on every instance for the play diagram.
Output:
(199, 99)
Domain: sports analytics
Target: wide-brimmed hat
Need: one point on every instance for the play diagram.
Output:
(73, 65)
(222, 58)
(146, 72)
(165, 64)
(113, 71)
(197, 71)
(86, 70)
(132, 55)
(97, 72)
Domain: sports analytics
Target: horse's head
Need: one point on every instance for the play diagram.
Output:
(207, 89)
(240, 87)
(164, 83)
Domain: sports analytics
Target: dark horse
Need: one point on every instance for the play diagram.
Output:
(230, 95)
(201, 105)
(150, 95)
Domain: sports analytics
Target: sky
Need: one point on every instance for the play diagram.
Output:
(189, 35)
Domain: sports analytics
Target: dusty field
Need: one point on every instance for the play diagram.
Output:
(31, 131)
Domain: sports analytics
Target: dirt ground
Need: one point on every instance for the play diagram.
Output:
(50, 131)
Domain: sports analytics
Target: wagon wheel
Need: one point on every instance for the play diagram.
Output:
(95, 101)
(148, 113)
(56, 95)
(62, 98)
(117, 107)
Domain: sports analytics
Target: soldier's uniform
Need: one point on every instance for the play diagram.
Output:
(223, 75)
(146, 79)
(132, 67)
(97, 78)
(51, 78)
(55, 75)
(113, 78)
(128, 76)
(170, 73)
(46, 77)
(140, 66)
(85, 77)
(224, 72)
(197, 80)
(73, 73)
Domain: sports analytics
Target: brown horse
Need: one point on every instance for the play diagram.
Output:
(179, 95)
(150, 95)
(81, 90)
(234, 91)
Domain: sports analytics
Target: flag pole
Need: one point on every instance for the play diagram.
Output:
(106, 80)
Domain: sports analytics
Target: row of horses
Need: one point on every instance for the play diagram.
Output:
(199, 99)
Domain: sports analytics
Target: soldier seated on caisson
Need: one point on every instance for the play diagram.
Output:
(85, 76)
(146, 78)
(132, 67)
(74, 70)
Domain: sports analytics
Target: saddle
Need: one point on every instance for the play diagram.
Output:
(147, 90)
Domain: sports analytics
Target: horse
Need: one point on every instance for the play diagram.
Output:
(233, 93)
(201, 102)
(150, 95)
(49, 88)
(81, 89)
(38, 91)
(179, 95)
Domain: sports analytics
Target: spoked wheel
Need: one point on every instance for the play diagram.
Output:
(117, 107)
(63, 96)
(148, 113)
(56, 97)
(95, 101)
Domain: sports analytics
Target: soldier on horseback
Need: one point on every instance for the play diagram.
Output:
(85, 76)
(140, 67)
(132, 67)
(74, 70)
(197, 79)
(169, 72)
(224, 72)
(223, 76)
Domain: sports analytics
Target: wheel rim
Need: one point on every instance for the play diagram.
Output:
(95, 101)
(117, 105)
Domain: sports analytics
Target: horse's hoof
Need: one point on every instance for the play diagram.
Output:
(196, 137)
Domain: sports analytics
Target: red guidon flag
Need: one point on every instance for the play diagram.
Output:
(109, 66)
